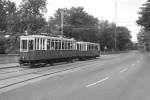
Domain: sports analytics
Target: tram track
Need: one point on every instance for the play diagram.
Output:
(22, 72)
(38, 74)
(41, 75)
(46, 72)
(12, 69)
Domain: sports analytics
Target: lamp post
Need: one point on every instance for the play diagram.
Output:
(116, 25)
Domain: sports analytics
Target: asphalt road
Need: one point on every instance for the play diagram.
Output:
(124, 77)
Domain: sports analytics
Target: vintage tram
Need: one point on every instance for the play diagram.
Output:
(35, 49)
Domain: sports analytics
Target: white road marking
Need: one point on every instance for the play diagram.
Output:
(98, 81)
(123, 70)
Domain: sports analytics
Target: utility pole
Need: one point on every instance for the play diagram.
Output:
(62, 21)
(116, 6)
(62, 24)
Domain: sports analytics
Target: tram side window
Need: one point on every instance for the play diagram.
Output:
(77, 46)
(43, 44)
(66, 45)
(84, 47)
(30, 44)
(73, 46)
(69, 45)
(59, 45)
(24, 44)
(92, 47)
(52, 45)
(63, 45)
(56, 45)
(87, 47)
(48, 44)
(96, 47)
(40, 44)
(36, 43)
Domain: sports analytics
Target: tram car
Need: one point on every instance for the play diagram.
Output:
(35, 49)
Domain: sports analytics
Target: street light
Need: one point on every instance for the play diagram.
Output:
(116, 24)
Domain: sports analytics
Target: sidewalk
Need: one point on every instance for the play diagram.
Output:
(8, 65)
(7, 61)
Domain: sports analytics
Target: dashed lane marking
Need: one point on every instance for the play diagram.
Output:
(123, 70)
(106, 78)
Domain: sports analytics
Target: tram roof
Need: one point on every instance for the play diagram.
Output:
(43, 36)
(81, 42)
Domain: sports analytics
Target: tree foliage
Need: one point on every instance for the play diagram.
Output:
(107, 37)
(144, 21)
(31, 13)
(28, 17)
(123, 38)
(144, 13)
(78, 24)
(143, 36)
(7, 8)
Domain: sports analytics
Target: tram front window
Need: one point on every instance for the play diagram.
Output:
(24, 44)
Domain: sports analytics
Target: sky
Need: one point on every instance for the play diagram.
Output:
(127, 10)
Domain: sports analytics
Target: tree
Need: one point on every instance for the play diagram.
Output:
(31, 13)
(144, 13)
(2, 16)
(33, 7)
(144, 21)
(7, 8)
(143, 37)
(106, 36)
(2, 42)
(123, 38)
(7, 11)
(78, 24)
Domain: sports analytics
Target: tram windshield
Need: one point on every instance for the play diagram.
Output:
(24, 44)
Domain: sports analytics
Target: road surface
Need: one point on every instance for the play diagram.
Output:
(122, 77)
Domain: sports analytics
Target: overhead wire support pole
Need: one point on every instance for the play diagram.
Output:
(116, 6)
(62, 23)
